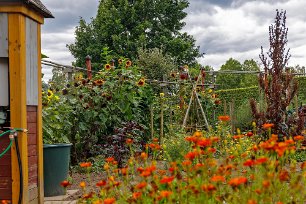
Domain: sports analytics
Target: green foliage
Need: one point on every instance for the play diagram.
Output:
(124, 26)
(154, 64)
(301, 89)
(230, 81)
(249, 79)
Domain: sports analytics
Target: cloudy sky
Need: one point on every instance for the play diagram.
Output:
(222, 28)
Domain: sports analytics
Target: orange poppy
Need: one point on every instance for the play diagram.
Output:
(234, 182)
(101, 183)
(166, 180)
(85, 164)
(136, 195)
(165, 194)
(299, 138)
(141, 185)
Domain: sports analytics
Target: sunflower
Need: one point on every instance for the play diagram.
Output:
(99, 82)
(141, 82)
(107, 67)
(128, 63)
(119, 61)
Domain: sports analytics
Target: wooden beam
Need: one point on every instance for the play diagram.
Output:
(23, 10)
(39, 122)
(17, 68)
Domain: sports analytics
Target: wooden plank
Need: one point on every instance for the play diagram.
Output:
(39, 122)
(5, 171)
(3, 35)
(17, 66)
(22, 10)
(4, 82)
(31, 62)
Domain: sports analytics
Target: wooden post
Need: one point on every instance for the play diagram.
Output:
(17, 63)
(88, 66)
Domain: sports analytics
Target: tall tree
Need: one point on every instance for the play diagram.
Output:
(250, 79)
(230, 81)
(126, 25)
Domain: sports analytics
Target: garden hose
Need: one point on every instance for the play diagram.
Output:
(13, 134)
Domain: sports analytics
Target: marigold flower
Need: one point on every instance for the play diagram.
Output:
(249, 163)
(249, 134)
(101, 183)
(167, 180)
(266, 184)
(299, 138)
(209, 187)
(284, 175)
(217, 178)
(109, 201)
(110, 159)
(251, 201)
(144, 155)
(186, 163)
(124, 171)
(267, 125)
(85, 164)
(65, 183)
(136, 195)
(261, 160)
(141, 185)
(165, 194)
(191, 139)
(234, 182)
(82, 184)
(204, 142)
(88, 195)
(129, 141)
(224, 118)
(191, 155)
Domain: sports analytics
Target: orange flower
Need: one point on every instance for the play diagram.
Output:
(101, 183)
(82, 184)
(144, 155)
(107, 67)
(209, 187)
(217, 178)
(119, 61)
(186, 163)
(191, 139)
(65, 183)
(85, 164)
(197, 134)
(204, 142)
(88, 195)
(251, 201)
(303, 165)
(129, 141)
(109, 200)
(99, 82)
(267, 125)
(266, 183)
(110, 159)
(261, 160)
(284, 175)
(299, 138)
(141, 185)
(249, 134)
(234, 182)
(249, 163)
(191, 155)
(165, 194)
(136, 195)
(224, 118)
(167, 180)
(258, 191)
(124, 171)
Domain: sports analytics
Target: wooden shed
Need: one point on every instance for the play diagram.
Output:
(20, 98)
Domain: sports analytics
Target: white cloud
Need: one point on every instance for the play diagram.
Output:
(223, 28)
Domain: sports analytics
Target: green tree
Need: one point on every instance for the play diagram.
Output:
(126, 25)
(230, 81)
(250, 79)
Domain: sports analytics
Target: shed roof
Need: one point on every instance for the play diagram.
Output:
(39, 7)
(36, 5)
